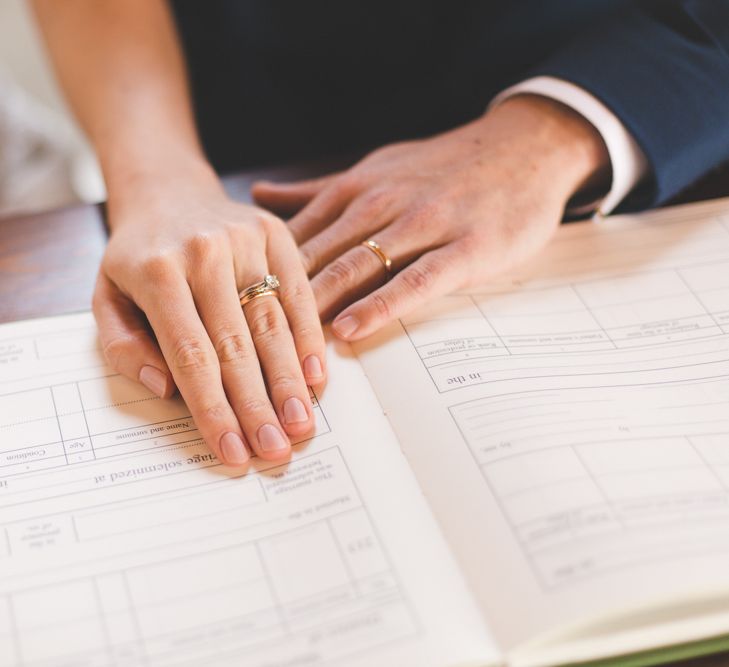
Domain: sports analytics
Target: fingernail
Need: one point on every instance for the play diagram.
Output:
(294, 411)
(154, 379)
(345, 326)
(233, 449)
(270, 438)
(312, 367)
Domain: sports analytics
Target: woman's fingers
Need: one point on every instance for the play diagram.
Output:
(192, 359)
(430, 276)
(128, 345)
(299, 305)
(277, 355)
(242, 369)
(285, 199)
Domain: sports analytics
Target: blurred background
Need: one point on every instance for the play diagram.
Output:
(44, 160)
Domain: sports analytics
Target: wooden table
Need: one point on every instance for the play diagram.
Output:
(48, 261)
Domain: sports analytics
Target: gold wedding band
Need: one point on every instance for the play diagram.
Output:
(269, 286)
(375, 248)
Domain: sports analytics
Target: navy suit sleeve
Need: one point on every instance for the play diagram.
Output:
(663, 68)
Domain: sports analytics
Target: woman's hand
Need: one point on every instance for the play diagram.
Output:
(180, 250)
(176, 260)
(450, 211)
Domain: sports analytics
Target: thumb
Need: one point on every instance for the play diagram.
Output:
(128, 345)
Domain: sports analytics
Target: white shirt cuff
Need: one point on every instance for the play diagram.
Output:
(628, 161)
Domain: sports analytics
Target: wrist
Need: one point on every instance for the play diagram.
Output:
(565, 150)
(152, 181)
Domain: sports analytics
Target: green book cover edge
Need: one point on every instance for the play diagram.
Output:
(664, 654)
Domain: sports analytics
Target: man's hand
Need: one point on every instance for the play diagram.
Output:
(450, 211)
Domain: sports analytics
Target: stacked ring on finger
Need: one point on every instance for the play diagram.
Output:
(269, 286)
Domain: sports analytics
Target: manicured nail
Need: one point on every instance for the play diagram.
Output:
(271, 439)
(233, 449)
(312, 367)
(154, 379)
(294, 411)
(345, 326)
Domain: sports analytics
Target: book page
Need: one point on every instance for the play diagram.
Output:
(123, 541)
(570, 426)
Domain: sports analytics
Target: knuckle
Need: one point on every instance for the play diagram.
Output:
(115, 265)
(375, 201)
(382, 306)
(381, 153)
(200, 245)
(343, 271)
(348, 183)
(510, 231)
(418, 222)
(190, 355)
(271, 225)
(157, 268)
(253, 406)
(414, 225)
(425, 218)
(265, 324)
(116, 348)
(233, 348)
(211, 414)
(386, 153)
(307, 330)
(418, 279)
(296, 293)
(283, 378)
(472, 246)
(433, 211)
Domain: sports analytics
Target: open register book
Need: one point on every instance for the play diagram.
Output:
(532, 473)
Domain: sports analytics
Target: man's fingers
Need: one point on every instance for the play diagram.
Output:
(356, 273)
(297, 300)
(127, 343)
(359, 270)
(432, 275)
(285, 199)
(363, 218)
(191, 357)
(321, 211)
